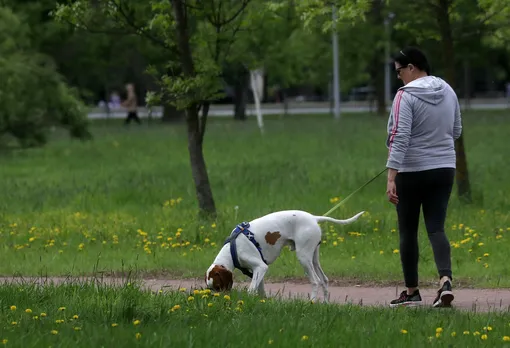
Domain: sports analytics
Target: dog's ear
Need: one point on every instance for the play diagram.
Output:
(225, 279)
(222, 278)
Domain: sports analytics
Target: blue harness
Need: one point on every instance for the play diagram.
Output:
(242, 228)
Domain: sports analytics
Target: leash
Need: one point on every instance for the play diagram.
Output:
(352, 194)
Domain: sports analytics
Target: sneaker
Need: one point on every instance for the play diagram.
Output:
(444, 296)
(407, 300)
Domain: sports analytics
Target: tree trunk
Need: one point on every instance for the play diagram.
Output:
(198, 166)
(443, 19)
(380, 89)
(241, 94)
(194, 129)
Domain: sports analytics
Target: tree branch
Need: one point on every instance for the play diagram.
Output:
(140, 29)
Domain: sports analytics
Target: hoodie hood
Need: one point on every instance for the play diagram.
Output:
(430, 89)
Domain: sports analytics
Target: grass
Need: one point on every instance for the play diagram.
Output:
(93, 314)
(126, 200)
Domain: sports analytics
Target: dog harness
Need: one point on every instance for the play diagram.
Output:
(242, 228)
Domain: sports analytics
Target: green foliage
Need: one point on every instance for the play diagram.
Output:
(496, 13)
(319, 13)
(34, 96)
(211, 27)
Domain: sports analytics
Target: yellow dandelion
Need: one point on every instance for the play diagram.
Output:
(216, 294)
(196, 292)
(5, 340)
(381, 252)
(14, 323)
(13, 308)
(438, 334)
(270, 342)
(403, 331)
(304, 338)
(487, 328)
(136, 322)
(115, 324)
(262, 301)
(61, 309)
(484, 337)
(138, 335)
(480, 244)
(209, 304)
(486, 254)
(226, 297)
(506, 338)
(466, 333)
(396, 251)
(54, 332)
(454, 334)
(77, 328)
(28, 310)
(75, 316)
(191, 298)
(439, 330)
(42, 315)
(240, 302)
(182, 289)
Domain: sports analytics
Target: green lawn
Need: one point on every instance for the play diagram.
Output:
(126, 200)
(93, 315)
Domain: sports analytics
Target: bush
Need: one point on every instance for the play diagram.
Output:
(33, 95)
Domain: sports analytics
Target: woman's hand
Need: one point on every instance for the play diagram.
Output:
(391, 191)
(391, 187)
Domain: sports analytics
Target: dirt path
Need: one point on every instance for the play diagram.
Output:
(480, 300)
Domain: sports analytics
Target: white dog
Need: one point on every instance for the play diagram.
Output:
(255, 245)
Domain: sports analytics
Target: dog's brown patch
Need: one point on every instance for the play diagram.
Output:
(272, 237)
(222, 278)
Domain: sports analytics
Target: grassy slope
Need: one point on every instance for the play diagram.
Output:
(126, 200)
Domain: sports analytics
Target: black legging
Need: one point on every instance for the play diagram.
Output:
(431, 190)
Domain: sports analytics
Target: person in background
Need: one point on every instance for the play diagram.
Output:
(131, 104)
(423, 125)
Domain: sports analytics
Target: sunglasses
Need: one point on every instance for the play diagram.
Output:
(400, 68)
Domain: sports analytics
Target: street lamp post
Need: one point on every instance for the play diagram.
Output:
(336, 73)
(387, 59)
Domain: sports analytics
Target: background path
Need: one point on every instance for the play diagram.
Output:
(480, 300)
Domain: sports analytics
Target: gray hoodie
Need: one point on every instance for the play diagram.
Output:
(423, 124)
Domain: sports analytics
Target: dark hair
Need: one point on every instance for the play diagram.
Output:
(414, 56)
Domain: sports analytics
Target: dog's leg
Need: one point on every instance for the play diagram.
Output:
(320, 273)
(262, 292)
(258, 276)
(305, 256)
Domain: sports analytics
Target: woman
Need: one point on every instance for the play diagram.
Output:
(131, 104)
(423, 125)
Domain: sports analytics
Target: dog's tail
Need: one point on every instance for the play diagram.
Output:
(340, 222)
